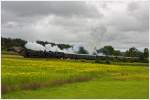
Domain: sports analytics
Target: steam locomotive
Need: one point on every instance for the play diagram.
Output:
(27, 53)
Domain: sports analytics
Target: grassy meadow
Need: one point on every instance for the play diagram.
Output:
(58, 78)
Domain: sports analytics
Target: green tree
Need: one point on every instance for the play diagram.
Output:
(146, 53)
(117, 53)
(107, 50)
(133, 52)
(7, 43)
(61, 46)
(82, 51)
(64, 46)
(43, 43)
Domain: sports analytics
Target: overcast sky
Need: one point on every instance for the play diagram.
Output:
(93, 24)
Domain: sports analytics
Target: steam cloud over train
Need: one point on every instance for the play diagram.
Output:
(34, 50)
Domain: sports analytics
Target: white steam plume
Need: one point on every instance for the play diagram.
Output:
(48, 47)
(34, 46)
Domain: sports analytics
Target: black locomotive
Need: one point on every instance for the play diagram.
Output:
(61, 55)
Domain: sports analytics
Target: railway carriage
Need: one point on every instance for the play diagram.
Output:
(49, 54)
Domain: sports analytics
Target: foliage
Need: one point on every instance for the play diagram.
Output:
(20, 74)
(64, 46)
(146, 53)
(7, 43)
(61, 46)
(132, 52)
(117, 53)
(43, 43)
(107, 50)
(82, 51)
(102, 61)
(88, 90)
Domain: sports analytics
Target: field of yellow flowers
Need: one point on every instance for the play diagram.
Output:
(57, 78)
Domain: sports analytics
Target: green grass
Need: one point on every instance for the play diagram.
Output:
(55, 78)
(92, 89)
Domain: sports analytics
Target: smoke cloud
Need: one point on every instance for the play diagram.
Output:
(74, 49)
(34, 46)
(48, 47)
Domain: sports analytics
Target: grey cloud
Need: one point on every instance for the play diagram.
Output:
(78, 22)
(140, 10)
(61, 8)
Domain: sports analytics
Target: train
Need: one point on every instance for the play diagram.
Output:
(27, 53)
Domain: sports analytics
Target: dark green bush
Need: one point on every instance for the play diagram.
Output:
(102, 61)
(107, 62)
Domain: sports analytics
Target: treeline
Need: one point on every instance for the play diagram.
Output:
(61, 46)
(7, 43)
(131, 52)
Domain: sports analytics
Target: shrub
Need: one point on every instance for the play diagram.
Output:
(107, 62)
(102, 61)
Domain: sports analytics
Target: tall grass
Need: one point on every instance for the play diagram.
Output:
(20, 73)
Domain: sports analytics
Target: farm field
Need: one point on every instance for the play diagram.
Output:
(57, 78)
